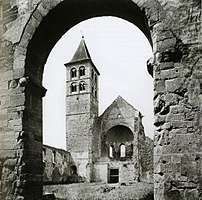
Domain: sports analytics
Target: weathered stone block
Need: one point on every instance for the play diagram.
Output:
(17, 100)
(159, 120)
(4, 102)
(159, 86)
(5, 154)
(158, 150)
(176, 109)
(18, 73)
(10, 163)
(166, 44)
(172, 195)
(165, 65)
(166, 126)
(174, 85)
(189, 168)
(37, 15)
(178, 131)
(7, 75)
(176, 158)
(16, 28)
(192, 194)
(4, 85)
(18, 64)
(178, 124)
(175, 117)
(161, 36)
(42, 10)
(171, 73)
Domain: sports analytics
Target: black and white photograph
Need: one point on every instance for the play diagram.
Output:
(100, 100)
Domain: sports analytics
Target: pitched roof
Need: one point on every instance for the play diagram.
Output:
(121, 106)
(81, 53)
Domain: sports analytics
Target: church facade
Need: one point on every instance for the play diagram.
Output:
(110, 148)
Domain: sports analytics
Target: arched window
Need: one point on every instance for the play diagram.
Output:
(92, 90)
(73, 72)
(44, 155)
(95, 93)
(111, 151)
(82, 86)
(73, 169)
(96, 79)
(73, 87)
(54, 156)
(92, 74)
(122, 151)
(82, 71)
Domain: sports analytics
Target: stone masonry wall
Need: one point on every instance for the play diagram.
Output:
(177, 80)
(175, 28)
(56, 165)
(147, 159)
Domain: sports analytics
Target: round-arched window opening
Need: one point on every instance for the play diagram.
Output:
(82, 71)
(73, 73)
(111, 151)
(119, 134)
(73, 87)
(82, 86)
(73, 170)
(122, 151)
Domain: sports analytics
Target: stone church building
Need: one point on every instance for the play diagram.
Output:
(110, 148)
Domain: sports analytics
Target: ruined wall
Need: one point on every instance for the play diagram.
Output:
(177, 79)
(56, 165)
(147, 159)
(122, 124)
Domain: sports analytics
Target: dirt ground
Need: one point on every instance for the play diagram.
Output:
(101, 191)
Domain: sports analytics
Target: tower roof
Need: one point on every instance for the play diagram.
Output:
(81, 53)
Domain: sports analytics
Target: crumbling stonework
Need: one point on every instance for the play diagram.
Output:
(28, 32)
(56, 165)
(121, 124)
(146, 159)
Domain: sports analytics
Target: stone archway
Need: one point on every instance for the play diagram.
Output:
(27, 37)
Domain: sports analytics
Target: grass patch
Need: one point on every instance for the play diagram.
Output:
(101, 191)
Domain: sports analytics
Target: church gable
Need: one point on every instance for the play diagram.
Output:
(119, 109)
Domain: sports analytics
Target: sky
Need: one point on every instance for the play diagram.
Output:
(120, 52)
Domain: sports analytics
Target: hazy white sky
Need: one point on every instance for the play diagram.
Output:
(120, 52)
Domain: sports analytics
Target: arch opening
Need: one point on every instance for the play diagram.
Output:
(53, 26)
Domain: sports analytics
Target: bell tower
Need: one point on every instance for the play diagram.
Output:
(81, 108)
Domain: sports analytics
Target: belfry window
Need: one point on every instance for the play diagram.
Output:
(95, 93)
(96, 79)
(82, 71)
(122, 151)
(82, 86)
(92, 89)
(92, 74)
(73, 72)
(73, 87)
(111, 151)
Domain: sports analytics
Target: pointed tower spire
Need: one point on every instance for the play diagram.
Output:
(82, 52)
